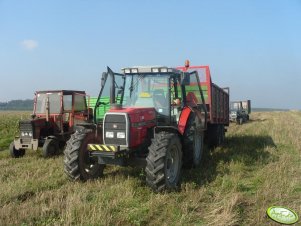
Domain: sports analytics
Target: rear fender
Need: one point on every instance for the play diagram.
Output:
(90, 128)
(170, 129)
(183, 119)
(85, 126)
(51, 137)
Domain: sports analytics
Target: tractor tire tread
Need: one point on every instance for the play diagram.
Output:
(155, 176)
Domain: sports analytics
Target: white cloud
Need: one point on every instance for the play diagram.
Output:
(29, 44)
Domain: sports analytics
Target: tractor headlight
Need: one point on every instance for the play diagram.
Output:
(127, 71)
(134, 70)
(155, 70)
(30, 134)
(109, 134)
(121, 135)
(22, 134)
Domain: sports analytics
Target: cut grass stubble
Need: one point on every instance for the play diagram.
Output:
(257, 167)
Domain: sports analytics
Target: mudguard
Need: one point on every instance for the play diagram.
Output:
(183, 119)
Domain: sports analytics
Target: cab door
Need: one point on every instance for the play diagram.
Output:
(195, 98)
(111, 92)
(80, 108)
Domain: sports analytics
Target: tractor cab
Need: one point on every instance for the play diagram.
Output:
(160, 89)
(54, 115)
(155, 88)
(62, 109)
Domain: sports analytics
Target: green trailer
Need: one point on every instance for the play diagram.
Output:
(100, 112)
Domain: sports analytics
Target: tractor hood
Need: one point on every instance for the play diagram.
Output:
(137, 115)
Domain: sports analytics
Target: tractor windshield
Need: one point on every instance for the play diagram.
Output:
(147, 90)
(54, 103)
(235, 105)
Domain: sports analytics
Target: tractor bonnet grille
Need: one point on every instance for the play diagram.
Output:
(26, 126)
(115, 129)
(26, 130)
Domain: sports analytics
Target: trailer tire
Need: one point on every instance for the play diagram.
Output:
(220, 135)
(214, 135)
(78, 165)
(164, 162)
(15, 153)
(50, 148)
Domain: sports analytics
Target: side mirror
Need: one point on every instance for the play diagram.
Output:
(185, 80)
(103, 79)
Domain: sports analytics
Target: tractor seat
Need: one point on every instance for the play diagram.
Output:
(160, 103)
(191, 99)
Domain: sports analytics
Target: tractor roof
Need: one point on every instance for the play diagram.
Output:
(149, 70)
(62, 91)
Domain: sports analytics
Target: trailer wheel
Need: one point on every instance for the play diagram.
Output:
(78, 164)
(15, 153)
(50, 147)
(164, 162)
(193, 144)
(222, 133)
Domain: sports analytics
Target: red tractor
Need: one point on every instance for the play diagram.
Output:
(54, 116)
(157, 118)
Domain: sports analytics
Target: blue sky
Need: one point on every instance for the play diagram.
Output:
(254, 46)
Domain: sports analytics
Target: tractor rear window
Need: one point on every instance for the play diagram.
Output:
(52, 100)
(193, 94)
(79, 102)
(201, 73)
(67, 99)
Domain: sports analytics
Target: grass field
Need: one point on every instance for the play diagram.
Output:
(258, 166)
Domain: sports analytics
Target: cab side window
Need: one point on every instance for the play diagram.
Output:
(79, 103)
(193, 95)
(67, 100)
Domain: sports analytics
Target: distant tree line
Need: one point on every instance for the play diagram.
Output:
(17, 105)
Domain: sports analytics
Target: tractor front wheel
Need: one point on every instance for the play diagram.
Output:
(15, 153)
(164, 162)
(50, 147)
(78, 164)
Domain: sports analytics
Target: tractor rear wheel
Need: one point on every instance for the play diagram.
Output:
(50, 147)
(15, 153)
(164, 162)
(193, 144)
(78, 164)
(240, 121)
